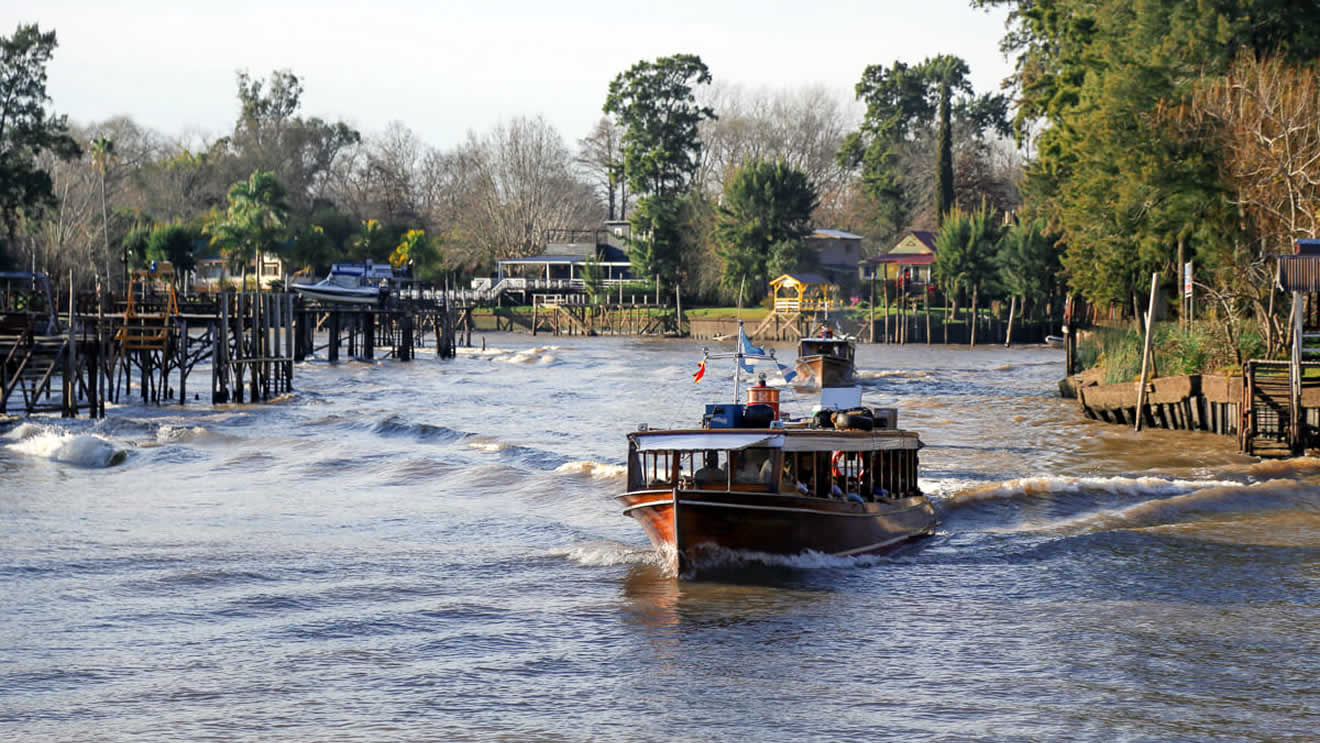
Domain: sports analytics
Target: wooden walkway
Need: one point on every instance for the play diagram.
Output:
(150, 346)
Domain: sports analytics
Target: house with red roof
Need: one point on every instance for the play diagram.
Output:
(910, 259)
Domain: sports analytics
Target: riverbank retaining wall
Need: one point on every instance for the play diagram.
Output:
(1196, 402)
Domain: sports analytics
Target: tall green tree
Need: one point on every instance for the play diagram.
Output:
(965, 258)
(176, 243)
(904, 102)
(948, 73)
(661, 227)
(655, 104)
(372, 242)
(269, 135)
(103, 152)
(1128, 188)
(1027, 260)
(26, 129)
(254, 222)
(767, 207)
(420, 254)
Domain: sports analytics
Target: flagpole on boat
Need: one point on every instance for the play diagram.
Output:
(737, 366)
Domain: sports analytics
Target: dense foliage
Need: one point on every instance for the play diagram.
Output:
(26, 131)
(764, 217)
(658, 110)
(1153, 133)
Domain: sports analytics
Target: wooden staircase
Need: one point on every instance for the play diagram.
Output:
(33, 364)
(1266, 430)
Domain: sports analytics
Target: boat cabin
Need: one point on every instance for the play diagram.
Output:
(862, 466)
(351, 275)
(836, 347)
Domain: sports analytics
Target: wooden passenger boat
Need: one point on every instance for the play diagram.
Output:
(756, 484)
(825, 360)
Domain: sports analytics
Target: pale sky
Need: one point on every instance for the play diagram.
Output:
(446, 68)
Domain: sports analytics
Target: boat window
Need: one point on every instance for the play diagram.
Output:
(708, 469)
(809, 472)
(657, 469)
(755, 465)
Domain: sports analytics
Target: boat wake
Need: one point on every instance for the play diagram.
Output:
(398, 426)
(1046, 486)
(725, 559)
(543, 355)
(607, 554)
(1220, 510)
(593, 470)
(79, 449)
(1219, 503)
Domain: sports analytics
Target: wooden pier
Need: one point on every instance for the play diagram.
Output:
(148, 346)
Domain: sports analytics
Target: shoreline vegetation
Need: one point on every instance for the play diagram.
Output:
(1195, 379)
(1172, 141)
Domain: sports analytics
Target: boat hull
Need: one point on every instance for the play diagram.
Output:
(710, 522)
(818, 370)
(339, 295)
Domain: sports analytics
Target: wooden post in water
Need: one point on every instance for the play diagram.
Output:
(886, 298)
(333, 351)
(678, 311)
(1012, 307)
(1145, 353)
(368, 334)
(1295, 443)
(70, 396)
(925, 310)
(871, 324)
(288, 340)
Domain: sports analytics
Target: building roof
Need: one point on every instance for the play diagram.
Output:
(1307, 247)
(608, 256)
(902, 259)
(926, 237)
(800, 278)
(835, 235)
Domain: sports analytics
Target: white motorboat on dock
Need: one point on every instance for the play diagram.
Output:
(351, 283)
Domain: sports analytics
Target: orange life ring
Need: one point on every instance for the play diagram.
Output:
(839, 457)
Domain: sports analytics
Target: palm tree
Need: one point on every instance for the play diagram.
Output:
(964, 255)
(103, 152)
(255, 220)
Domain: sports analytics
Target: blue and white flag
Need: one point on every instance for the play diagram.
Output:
(789, 374)
(746, 348)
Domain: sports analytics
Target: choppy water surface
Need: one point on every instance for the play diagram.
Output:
(430, 552)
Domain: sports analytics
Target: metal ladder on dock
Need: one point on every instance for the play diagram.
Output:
(1266, 432)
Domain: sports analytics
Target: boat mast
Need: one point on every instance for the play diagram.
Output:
(737, 366)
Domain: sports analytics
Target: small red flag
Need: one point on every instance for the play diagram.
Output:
(700, 372)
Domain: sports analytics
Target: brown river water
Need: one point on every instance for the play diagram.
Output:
(430, 551)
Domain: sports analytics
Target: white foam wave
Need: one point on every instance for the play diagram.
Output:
(1046, 485)
(482, 443)
(24, 430)
(538, 355)
(83, 450)
(889, 373)
(168, 434)
(606, 554)
(594, 470)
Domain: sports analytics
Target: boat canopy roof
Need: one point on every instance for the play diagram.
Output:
(702, 440)
(816, 342)
(791, 440)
